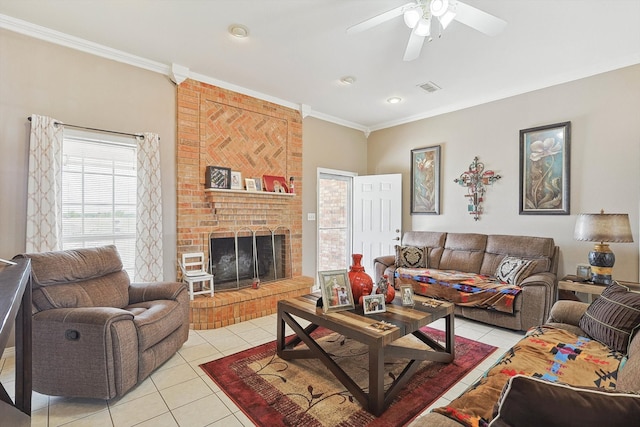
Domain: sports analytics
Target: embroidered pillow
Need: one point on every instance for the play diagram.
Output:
(514, 270)
(412, 256)
(613, 317)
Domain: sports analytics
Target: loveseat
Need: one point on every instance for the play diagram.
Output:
(582, 368)
(483, 254)
(95, 334)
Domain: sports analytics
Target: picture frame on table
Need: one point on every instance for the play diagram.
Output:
(217, 177)
(373, 304)
(275, 184)
(236, 180)
(406, 295)
(250, 183)
(545, 160)
(425, 180)
(336, 290)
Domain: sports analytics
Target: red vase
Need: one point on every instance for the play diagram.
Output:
(361, 282)
(384, 287)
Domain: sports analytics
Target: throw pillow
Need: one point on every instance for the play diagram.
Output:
(412, 256)
(514, 270)
(613, 317)
(528, 401)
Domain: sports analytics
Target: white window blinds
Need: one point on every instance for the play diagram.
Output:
(99, 193)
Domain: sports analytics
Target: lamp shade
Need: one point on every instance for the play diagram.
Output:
(603, 227)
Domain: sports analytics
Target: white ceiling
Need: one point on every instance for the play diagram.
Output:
(298, 49)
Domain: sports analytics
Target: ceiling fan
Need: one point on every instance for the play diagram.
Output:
(419, 17)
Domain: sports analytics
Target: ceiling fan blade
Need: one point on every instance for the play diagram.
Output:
(414, 46)
(479, 20)
(379, 19)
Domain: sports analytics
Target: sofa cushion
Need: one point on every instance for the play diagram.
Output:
(513, 270)
(614, 317)
(412, 256)
(562, 405)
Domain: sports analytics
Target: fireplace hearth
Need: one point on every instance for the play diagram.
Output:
(240, 259)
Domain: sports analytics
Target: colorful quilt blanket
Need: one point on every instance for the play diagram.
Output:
(465, 289)
(545, 352)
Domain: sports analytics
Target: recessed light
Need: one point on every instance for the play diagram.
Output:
(348, 80)
(239, 31)
(394, 100)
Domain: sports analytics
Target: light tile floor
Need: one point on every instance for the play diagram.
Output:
(179, 393)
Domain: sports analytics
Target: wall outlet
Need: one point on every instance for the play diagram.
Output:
(311, 216)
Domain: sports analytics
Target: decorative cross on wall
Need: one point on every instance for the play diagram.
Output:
(475, 180)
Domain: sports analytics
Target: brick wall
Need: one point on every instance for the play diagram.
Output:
(217, 127)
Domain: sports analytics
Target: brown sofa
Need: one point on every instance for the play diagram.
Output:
(481, 254)
(531, 400)
(95, 334)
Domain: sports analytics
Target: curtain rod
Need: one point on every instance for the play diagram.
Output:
(135, 135)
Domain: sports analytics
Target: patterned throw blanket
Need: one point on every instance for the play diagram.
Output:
(545, 352)
(466, 289)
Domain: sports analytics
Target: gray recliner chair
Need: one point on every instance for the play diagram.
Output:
(95, 334)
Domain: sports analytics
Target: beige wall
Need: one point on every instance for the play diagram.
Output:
(604, 111)
(37, 77)
(330, 146)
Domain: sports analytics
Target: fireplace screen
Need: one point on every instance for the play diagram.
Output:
(238, 260)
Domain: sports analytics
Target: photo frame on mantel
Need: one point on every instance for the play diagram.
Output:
(545, 170)
(425, 180)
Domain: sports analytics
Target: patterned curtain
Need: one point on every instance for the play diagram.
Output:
(149, 250)
(44, 186)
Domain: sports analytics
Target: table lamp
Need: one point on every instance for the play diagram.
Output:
(602, 228)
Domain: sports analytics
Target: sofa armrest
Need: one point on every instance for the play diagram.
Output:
(380, 265)
(539, 293)
(152, 291)
(567, 312)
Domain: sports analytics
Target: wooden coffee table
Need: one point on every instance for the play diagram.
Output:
(400, 321)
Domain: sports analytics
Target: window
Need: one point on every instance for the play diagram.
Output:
(99, 193)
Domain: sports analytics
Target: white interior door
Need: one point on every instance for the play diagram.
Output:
(377, 216)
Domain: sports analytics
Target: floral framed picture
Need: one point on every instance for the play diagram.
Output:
(425, 180)
(336, 290)
(544, 170)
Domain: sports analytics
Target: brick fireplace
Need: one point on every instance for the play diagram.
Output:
(217, 127)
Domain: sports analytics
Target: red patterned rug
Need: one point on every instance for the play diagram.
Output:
(275, 392)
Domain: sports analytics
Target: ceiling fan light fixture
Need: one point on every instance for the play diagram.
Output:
(439, 7)
(412, 16)
(423, 28)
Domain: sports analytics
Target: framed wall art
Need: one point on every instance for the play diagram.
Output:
(425, 180)
(336, 290)
(250, 183)
(217, 177)
(236, 180)
(275, 184)
(544, 169)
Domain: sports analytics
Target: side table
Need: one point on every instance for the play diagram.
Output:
(591, 288)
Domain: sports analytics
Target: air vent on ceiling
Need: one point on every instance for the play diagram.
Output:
(429, 87)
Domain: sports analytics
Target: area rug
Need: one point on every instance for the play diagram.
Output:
(275, 392)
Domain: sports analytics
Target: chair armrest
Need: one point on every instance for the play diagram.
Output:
(152, 291)
(567, 312)
(83, 315)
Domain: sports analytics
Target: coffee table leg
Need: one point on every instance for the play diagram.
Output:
(451, 336)
(376, 380)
